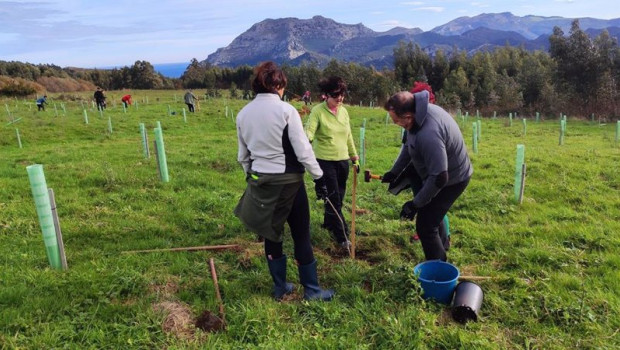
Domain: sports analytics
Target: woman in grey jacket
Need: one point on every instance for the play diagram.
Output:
(434, 146)
(274, 151)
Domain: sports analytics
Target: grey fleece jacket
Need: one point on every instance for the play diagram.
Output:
(435, 147)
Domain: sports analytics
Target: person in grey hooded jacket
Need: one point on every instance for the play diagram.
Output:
(435, 148)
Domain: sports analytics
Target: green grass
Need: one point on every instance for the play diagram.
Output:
(554, 258)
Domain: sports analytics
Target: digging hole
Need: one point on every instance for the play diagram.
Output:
(208, 322)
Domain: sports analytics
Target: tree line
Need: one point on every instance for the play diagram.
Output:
(579, 74)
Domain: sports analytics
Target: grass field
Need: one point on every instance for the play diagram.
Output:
(554, 259)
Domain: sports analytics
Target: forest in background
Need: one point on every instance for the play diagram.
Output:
(579, 74)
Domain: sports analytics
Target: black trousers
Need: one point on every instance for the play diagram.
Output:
(430, 218)
(336, 173)
(190, 106)
(299, 222)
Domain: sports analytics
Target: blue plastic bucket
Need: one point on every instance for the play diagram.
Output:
(437, 279)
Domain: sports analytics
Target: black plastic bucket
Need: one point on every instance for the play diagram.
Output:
(467, 302)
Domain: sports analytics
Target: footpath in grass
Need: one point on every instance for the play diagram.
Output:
(552, 260)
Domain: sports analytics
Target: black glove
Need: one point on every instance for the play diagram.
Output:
(388, 177)
(320, 188)
(356, 166)
(408, 211)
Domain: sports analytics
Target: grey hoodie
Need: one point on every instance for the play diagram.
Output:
(434, 145)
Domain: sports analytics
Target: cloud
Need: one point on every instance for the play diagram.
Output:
(389, 24)
(431, 8)
(413, 3)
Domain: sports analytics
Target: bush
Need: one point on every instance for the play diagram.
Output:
(18, 87)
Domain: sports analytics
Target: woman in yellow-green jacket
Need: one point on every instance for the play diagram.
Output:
(330, 133)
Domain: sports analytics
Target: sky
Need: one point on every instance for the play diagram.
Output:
(98, 34)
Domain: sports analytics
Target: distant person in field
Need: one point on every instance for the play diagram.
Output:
(435, 148)
(99, 99)
(306, 98)
(126, 100)
(189, 100)
(41, 102)
(274, 153)
(329, 132)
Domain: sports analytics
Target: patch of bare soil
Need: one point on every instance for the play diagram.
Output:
(208, 322)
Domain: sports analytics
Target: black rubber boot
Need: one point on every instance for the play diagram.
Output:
(310, 281)
(277, 269)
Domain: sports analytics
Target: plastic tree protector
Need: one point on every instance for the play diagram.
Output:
(44, 211)
(161, 154)
(519, 170)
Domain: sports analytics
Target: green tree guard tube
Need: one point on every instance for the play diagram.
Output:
(475, 137)
(362, 154)
(446, 224)
(85, 117)
(110, 124)
(158, 125)
(161, 154)
(184, 116)
(64, 111)
(145, 140)
(124, 109)
(519, 170)
(617, 131)
(494, 114)
(44, 212)
(510, 119)
(100, 112)
(136, 105)
(537, 117)
(524, 127)
(477, 114)
(19, 139)
(169, 110)
(479, 137)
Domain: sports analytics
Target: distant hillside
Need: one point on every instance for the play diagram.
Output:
(319, 39)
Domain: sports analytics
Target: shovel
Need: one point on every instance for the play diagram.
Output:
(208, 321)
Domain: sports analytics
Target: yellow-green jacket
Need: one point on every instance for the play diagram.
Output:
(330, 134)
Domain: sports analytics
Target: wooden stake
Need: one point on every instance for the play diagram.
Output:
(353, 212)
(522, 188)
(61, 245)
(185, 249)
(157, 158)
(476, 278)
(217, 290)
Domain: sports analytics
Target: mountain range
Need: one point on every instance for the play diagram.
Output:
(318, 39)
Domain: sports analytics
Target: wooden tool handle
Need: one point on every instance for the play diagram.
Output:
(217, 288)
